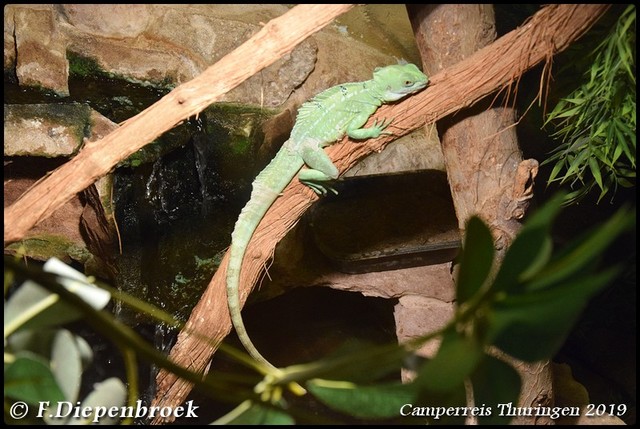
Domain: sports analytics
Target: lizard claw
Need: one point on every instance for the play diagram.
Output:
(321, 188)
(381, 125)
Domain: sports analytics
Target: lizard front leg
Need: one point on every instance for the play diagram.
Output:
(356, 131)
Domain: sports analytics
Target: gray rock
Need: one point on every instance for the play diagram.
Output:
(50, 130)
(166, 45)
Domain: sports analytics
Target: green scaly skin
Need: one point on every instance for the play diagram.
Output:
(323, 120)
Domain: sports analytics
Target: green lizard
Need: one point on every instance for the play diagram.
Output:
(321, 121)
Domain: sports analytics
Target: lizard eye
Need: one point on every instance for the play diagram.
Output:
(408, 82)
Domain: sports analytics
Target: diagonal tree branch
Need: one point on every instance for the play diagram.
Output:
(96, 159)
(491, 69)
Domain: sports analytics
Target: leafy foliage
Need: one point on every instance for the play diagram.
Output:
(44, 363)
(597, 122)
(525, 308)
(494, 382)
(29, 379)
(36, 345)
(253, 413)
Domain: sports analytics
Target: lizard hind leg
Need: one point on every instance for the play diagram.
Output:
(321, 170)
(317, 181)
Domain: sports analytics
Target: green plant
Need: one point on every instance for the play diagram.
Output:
(44, 363)
(526, 310)
(42, 373)
(596, 123)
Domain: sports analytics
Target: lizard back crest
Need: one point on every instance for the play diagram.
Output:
(326, 101)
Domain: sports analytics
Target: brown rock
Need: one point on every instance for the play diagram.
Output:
(107, 20)
(41, 59)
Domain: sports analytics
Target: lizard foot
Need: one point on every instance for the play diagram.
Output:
(380, 126)
(321, 188)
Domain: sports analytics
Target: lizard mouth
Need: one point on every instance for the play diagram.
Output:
(415, 87)
(393, 95)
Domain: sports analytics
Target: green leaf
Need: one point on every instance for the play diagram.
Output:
(602, 154)
(556, 170)
(494, 382)
(591, 118)
(624, 182)
(582, 253)
(530, 250)
(595, 171)
(622, 144)
(476, 261)
(29, 307)
(457, 357)
(369, 402)
(356, 361)
(434, 406)
(576, 101)
(600, 130)
(533, 326)
(603, 192)
(251, 413)
(577, 163)
(568, 112)
(29, 379)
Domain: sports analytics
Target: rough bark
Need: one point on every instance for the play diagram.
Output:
(480, 143)
(551, 30)
(487, 175)
(278, 37)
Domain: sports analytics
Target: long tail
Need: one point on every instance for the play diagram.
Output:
(246, 225)
(266, 189)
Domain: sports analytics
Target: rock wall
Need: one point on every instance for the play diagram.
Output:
(166, 45)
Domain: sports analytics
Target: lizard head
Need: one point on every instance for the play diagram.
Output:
(397, 81)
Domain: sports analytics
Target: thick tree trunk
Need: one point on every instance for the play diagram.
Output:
(479, 143)
(487, 175)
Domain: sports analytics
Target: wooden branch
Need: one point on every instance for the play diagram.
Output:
(96, 159)
(495, 67)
